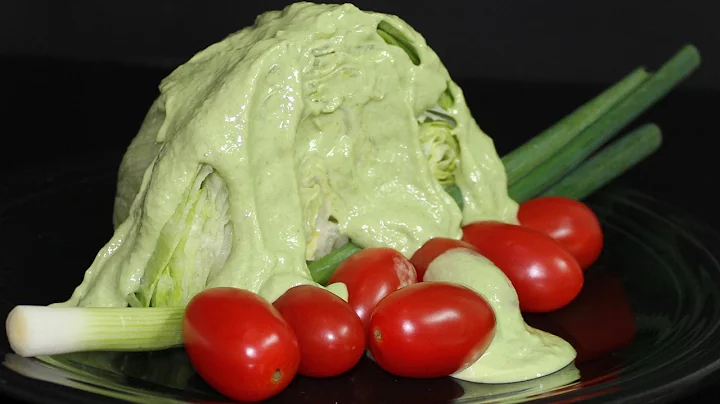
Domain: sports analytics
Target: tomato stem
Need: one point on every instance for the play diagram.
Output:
(277, 376)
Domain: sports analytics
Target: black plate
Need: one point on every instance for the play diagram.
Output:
(646, 325)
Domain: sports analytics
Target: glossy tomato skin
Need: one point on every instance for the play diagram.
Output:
(570, 222)
(330, 335)
(239, 344)
(544, 274)
(372, 274)
(430, 329)
(432, 248)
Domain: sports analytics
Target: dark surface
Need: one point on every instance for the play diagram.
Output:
(59, 114)
(550, 40)
(646, 325)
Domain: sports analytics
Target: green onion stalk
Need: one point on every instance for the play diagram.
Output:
(574, 158)
(556, 162)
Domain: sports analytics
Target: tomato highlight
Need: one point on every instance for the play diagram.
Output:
(239, 344)
(572, 223)
(330, 335)
(430, 329)
(372, 274)
(544, 274)
(432, 248)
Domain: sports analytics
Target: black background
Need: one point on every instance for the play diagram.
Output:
(76, 77)
(539, 40)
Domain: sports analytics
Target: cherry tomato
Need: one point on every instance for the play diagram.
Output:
(331, 336)
(430, 329)
(432, 249)
(239, 344)
(545, 275)
(372, 274)
(568, 221)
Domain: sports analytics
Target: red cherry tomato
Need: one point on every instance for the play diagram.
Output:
(568, 221)
(331, 336)
(430, 329)
(372, 274)
(239, 344)
(545, 275)
(432, 249)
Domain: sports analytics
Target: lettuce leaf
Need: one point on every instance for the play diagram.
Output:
(193, 244)
(441, 148)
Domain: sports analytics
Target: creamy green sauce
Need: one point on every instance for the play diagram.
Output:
(306, 117)
(517, 352)
(308, 109)
(562, 381)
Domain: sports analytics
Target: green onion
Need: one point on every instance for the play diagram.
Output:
(447, 100)
(393, 36)
(322, 269)
(536, 167)
(521, 161)
(592, 138)
(439, 116)
(609, 163)
(454, 191)
(41, 330)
